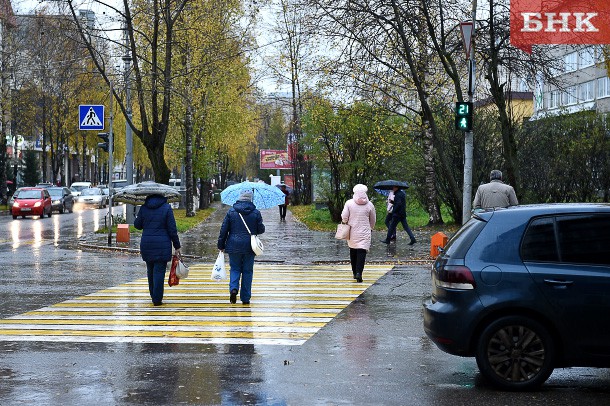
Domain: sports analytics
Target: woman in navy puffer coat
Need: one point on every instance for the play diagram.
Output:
(157, 220)
(234, 239)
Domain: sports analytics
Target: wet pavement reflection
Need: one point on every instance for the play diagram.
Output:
(372, 352)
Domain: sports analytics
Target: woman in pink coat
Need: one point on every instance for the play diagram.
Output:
(360, 214)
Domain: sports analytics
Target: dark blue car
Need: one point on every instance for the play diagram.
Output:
(525, 290)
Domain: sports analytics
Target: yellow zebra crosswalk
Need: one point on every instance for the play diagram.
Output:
(289, 305)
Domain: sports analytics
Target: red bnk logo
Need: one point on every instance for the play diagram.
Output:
(534, 22)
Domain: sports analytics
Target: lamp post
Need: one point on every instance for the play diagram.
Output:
(110, 163)
(129, 209)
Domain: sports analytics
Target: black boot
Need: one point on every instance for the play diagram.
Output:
(358, 277)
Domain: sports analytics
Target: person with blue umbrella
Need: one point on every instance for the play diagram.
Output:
(240, 221)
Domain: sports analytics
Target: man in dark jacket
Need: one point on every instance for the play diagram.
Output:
(234, 239)
(157, 220)
(399, 215)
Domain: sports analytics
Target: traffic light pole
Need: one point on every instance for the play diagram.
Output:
(468, 135)
(110, 165)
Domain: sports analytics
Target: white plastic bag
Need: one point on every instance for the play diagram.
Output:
(182, 271)
(219, 272)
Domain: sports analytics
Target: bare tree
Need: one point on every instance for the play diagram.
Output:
(150, 26)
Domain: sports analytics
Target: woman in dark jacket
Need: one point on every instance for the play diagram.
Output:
(234, 239)
(157, 220)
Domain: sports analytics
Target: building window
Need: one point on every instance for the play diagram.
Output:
(571, 62)
(554, 99)
(587, 91)
(569, 96)
(603, 87)
(587, 57)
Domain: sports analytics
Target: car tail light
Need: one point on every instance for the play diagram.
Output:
(455, 277)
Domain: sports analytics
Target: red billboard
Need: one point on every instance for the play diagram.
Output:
(275, 159)
(535, 22)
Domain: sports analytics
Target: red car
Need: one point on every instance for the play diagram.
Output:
(32, 201)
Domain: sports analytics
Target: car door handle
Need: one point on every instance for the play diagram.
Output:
(558, 283)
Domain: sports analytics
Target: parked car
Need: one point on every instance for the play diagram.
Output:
(119, 183)
(62, 199)
(32, 202)
(525, 290)
(11, 199)
(45, 185)
(106, 192)
(93, 196)
(77, 187)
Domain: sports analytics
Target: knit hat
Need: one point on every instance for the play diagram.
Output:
(245, 196)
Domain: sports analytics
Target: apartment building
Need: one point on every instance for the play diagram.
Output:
(582, 83)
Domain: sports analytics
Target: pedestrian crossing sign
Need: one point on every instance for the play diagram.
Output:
(90, 117)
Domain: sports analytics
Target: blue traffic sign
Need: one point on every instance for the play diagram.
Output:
(90, 117)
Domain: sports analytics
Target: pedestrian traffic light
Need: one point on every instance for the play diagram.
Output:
(463, 116)
(103, 145)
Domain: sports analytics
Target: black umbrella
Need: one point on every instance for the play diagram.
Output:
(390, 184)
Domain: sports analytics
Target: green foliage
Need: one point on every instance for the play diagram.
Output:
(183, 223)
(566, 159)
(351, 144)
(320, 219)
(31, 170)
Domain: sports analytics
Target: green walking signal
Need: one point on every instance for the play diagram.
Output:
(463, 116)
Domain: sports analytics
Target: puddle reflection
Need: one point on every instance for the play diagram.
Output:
(15, 228)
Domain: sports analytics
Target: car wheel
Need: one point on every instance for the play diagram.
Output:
(22, 217)
(14, 217)
(515, 353)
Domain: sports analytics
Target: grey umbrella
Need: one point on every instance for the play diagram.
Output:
(137, 194)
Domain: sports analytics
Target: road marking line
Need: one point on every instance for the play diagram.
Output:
(289, 305)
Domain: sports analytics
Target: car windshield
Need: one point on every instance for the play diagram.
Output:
(91, 192)
(30, 194)
(56, 192)
(77, 188)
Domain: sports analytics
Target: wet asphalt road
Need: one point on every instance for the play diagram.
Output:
(374, 352)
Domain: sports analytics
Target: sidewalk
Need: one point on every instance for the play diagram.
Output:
(285, 242)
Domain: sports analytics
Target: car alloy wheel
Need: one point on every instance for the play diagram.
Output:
(515, 353)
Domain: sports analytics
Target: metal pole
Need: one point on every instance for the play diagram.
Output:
(110, 164)
(469, 136)
(129, 216)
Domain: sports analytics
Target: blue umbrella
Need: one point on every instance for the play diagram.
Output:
(264, 196)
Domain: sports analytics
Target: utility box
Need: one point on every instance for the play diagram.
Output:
(122, 233)
(439, 240)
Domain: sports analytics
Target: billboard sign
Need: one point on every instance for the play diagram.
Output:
(534, 22)
(275, 159)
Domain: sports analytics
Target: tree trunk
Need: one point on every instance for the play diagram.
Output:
(188, 164)
(432, 206)
(157, 161)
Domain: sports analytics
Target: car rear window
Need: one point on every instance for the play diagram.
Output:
(463, 239)
(574, 238)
